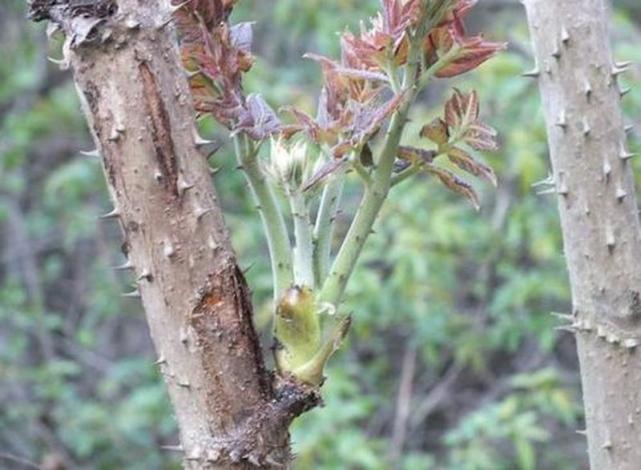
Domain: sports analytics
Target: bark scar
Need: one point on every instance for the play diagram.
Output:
(164, 149)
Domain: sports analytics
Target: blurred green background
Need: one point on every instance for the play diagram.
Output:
(453, 362)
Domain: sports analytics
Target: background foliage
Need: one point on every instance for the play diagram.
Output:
(453, 361)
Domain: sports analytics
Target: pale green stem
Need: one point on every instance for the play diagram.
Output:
(407, 173)
(362, 172)
(324, 228)
(366, 215)
(270, 214)
(304, 245)
(376, 193)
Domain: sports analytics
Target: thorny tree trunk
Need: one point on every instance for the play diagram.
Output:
(594, 182)
(197, 304)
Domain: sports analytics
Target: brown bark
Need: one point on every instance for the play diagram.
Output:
(137, 102)
(594, 182)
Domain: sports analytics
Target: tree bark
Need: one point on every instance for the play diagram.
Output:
(229, 410)
(594, 183)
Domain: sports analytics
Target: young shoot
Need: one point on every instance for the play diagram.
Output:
(356, 137)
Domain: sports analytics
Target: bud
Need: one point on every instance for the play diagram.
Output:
(289, 165)
(297, 328)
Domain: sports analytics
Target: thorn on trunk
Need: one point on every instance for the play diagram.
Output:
(211, 243)
(562, 121)
(184, 337)
(565, 35)
(200, 212)
(200, 141)
(114, 214)
(161, 360)
(90, 153)
(124, 267)
(132, 23)
(133, 294)
(176, 448)
(182, 185)
(587, 90)
(610, 240)
(618, 69)
(534, 73)
(624, 154)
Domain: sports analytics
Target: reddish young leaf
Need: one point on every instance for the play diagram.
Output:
(454, 183)
(466, 162)
(462, 118)
(415, 155)
(436, 131)
(257, 119)
(461, 109)
(472, 52)
(480, 136)
(324, 172)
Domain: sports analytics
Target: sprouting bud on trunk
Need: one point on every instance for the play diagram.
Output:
(297, 328)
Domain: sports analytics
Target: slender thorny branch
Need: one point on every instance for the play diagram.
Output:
(270, 213)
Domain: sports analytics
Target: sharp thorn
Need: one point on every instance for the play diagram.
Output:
(90, 153)
(545, 192)
(623, 65)
(199, 141)
(535, 73)
(201, 212)
(124, 267)
(565, 35)
(562, 121)
(176, 448)
(624, 91)
(183, 185)
(114, 214)
(618, 70)
(624, 154)
(587, 90)
(133, 294)
(169, 251)
(563, 316)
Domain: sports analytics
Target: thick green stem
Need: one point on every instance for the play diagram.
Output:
(270, 213)
(303, 249)
(376, 193)
(324, 228)
(366, 214)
